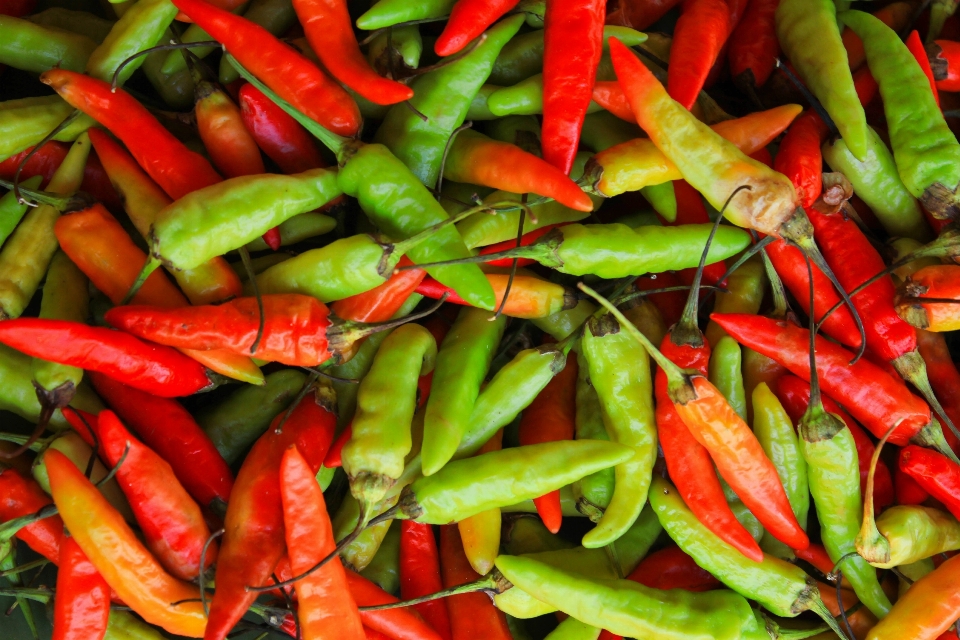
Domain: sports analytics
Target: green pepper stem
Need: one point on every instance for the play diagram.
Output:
(149, 267)
(870, 543)
(914, 370)
(42, 595)
(10, 528)
(41, 562)
(60, 203)
(821, 610)
(781, 307)
(493, 583)
(335, 143)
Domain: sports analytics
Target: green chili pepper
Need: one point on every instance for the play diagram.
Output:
(524, 98)
(27, 121)
(258, 264)
(940, 10)
(276, 16)
(82, 22)
(360, 552)
(573, 629)
(123, 625)
(462, 365)
(602, 130)
(297, 229)
(620, 372)
(65, 297)
(177, 89)
(37, 48)
(27, 254)
(402, 44)
(834, 478)
(776, 434)
(926, 151)
(237, 421)
(12, 211)
(726, 373)
(914, 532)
(374, 455)
(740, 511)
(443, 96)
(479, 107)
(387, 13)
(662, 198)
(809, 36)
(529, 535)
(595, 491)
(745, 289)
(563, 323)
(384, 569)
(139, 28)
(630, 609)
(877, 183)
(783, 588)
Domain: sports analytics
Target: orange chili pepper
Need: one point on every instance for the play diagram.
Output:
(529, 296)
(220, 126)
(929, 607)
(609, 95)
(930, 298)
(381, 302)
(698, 38)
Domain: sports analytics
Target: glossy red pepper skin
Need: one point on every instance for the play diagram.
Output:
(173, 166)
(944, 377)
(794, 394)
(874, 398)
(383, 301)
(609, 95)
(569, 73)
(936, 473)
(469, 19)
(291, 75)
(753, 45)
(22, 496)
(671, 568)
(399, 624)
(472, 615)
(153, 368)
(908, 490)
(944, 58)
(698, 38)
(81, 609)
(169, 430)
(278, 135)
(689, 463)
(800, 158)
(294, 330)
(254, 542)
(420, 574)
(45, 161)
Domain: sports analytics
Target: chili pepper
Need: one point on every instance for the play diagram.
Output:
(387, 13)
(123, 625)
(810, 38)
(175, 168)
(937, 283)
(912, 533)
(323, 597)
(36, 48)
(528, 297)
(399, 46)
(116, 553)
(384, 569)
(27, 121)
(467, 21)
(753, 45)
(725, 374)
(610, 96)
(925, 150)
(908, 492)
(278, 134)
(82, 606)
(45, 162)
(139, 28)
(22, 496)
(526, 98)
(915, 45)
(233, 150)
(874, 398)
(745, 291)
(143, 200)
(276, 16)
(443, 96)
(381, 302)
(28, 252)
(691, 210)
(799, 157)
(925, 610)
(942, 57)
(420, 574)
(698, 38)
(480, 533)
(471, 614)
(592, 492)
(620, 372)
(237, 421)
(933, 471)
(462, 363)
(525, 535)
(646, 317)
(940, 12)
(568, 76)
(525, 239)
(640, 14)
(177, 90)
(943, 372)
(671, 568)
(254, 538)
(152, 368)
(552, 416)
(83, 22)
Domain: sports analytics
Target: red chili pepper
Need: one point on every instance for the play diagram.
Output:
(699, 36)
(671, 568)
(291, 75)
(754, 47)
(799, 157)
(794, 394)
(569, 73)
(943, 376)
(420, 574)
(282, 138)
(874, 398)
(399, 624)
(935, 472)
(472, 615)
(816, 555)
(525, 240)
(551, 417)
(383, 301)
(469, 19)
(907, 489)
(640, 14)
(253, 542)
(529, 296)
(22, 496)
(221, 128)
(85, 424)
(81, 609)
(334, 457)
(45, 161)
(944, 59)
(915, 45)
(173, 166)
(153, 368)
(609, 95)
(169, 429)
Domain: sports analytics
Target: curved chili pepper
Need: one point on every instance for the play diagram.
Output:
(254, 539)
(551, 416)
(944, 376)
(149, 367)
(753, 45)
(528, 296)
(609, 95)
(698, 38)
(230, 145)
(671, 568)
(467, 21)
(119, 556)
(936, 473)
(291, 75)
(471, 614)
(281, 137)
(927, 609)
(480, 533)
(420, 574)
(22, 496)
(908, 491)
(81, 609)
(383, 301)
(915, 45)
(799, 156)
(168, 161)
(569, 74)
(690, 210)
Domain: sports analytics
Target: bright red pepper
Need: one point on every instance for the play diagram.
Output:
(282, 138)
(469, 19)
(420, 574)
(609, 95)
(472, 615)
(81, 609)
(569, 73)
(671, 568)
(698, 38)
(383, 301)
(799, 157)
(399, 623)
(944, 377)
(936, 473)
(754, 48)
(908, 491)
(22, 496)
(915, 45)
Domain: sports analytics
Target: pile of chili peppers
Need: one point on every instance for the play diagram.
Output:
(480, 319)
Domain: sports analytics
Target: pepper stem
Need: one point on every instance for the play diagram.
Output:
(149, 267)
(335, 143)
(493, 584)
(821, 610)
(39, 595)
(248, 267)
(870, 543)
(781, 307)
(914, 370)
(60, 203)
